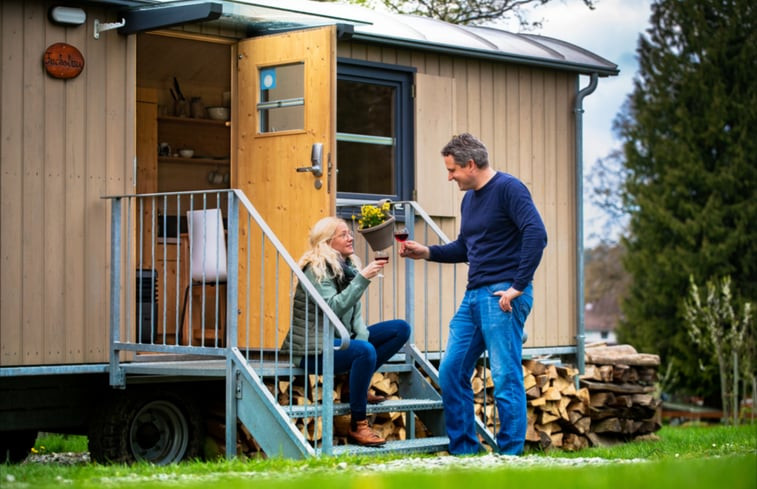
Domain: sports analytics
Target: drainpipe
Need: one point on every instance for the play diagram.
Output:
(579, 111)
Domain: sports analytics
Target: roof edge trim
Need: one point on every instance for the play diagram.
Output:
(489, 55)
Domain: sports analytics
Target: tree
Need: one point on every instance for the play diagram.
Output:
(690, 174)
(463, 12)
(713, 323)
(604, 275)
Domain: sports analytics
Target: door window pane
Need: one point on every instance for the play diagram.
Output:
(281, 105)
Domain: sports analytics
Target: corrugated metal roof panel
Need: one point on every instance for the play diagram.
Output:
(269, 16)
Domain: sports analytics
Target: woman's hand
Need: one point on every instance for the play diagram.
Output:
(372, 269)
(414, 250)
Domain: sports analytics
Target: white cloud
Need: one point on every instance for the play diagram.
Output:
(612, 31)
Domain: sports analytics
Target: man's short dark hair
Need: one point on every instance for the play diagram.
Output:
(464, 147)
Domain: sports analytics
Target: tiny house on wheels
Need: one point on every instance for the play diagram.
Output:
(162, 163)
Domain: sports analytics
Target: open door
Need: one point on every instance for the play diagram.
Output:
(286, 111)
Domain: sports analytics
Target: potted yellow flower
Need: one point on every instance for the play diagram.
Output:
(376, 224)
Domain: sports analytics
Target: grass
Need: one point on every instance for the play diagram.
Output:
(693, 457)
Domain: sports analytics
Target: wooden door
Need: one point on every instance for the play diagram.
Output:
(285, 104)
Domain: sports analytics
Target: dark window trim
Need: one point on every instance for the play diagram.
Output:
(403, 78)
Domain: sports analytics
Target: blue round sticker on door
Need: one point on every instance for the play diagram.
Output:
(268, 78)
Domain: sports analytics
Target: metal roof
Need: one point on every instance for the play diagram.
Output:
(422, 33)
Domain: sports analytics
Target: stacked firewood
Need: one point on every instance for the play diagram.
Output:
(623, 399)
(391, 425)
(215, 441)
(613, 401)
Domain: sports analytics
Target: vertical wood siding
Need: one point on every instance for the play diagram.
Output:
(525, 117)
(63, 145)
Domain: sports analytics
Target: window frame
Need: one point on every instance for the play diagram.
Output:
(402, 78)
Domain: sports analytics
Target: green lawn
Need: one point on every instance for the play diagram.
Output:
(684, 457)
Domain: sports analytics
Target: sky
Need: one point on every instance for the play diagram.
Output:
(612, 31)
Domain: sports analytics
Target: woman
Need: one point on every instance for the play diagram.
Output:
(331, 265)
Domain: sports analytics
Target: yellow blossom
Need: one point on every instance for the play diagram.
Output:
(373, 215)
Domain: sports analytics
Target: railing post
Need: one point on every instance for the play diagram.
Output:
(232, 373)
(410, 273)
(410, 305)
(233, 394)
(327, 445)
(115, 371)
(232, 278)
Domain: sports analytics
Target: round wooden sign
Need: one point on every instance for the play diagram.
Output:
(62, 60)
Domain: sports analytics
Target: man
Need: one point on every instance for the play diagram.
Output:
(502, 238)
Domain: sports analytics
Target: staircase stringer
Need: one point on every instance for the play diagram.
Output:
(430, 370)
(266, 421)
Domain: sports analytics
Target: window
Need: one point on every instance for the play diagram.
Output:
(374, 130)
(282, 100)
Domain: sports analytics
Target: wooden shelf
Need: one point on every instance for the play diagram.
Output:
(193, 161)
(191, 120)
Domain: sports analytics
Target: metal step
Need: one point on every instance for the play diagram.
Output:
(416, 445)
(389, 406)
(268, 369)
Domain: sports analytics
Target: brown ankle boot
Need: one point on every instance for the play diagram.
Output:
(364, 435)
(375, 398)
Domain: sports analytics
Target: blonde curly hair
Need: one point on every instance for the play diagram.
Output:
(324, 260)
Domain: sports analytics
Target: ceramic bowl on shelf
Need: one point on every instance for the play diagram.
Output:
(186, 153)
(218, 113)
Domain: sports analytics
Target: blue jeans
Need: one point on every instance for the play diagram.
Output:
(480, 325)
(362, 358)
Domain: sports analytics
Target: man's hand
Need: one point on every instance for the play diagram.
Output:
(506, 296)
(414, 250)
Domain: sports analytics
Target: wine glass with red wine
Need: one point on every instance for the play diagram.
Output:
(401, 234)
(381, 256)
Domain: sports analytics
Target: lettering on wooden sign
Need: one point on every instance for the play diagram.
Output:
(63, 61)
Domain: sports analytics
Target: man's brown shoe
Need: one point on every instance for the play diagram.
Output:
(364, 435)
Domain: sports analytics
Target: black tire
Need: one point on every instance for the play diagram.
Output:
(159, 427)
(16, 445)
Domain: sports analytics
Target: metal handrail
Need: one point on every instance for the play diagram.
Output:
(344, 335)
(330, 317)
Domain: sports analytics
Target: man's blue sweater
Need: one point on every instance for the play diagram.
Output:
(502, 235)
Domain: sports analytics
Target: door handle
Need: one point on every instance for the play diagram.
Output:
(316, 156)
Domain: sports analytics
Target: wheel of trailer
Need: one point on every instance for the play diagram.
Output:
(16, 445)
(159, 428)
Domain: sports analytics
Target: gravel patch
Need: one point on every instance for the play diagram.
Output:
(492, 461)
(410, 463)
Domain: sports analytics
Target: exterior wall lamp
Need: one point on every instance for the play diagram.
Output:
(67, 15)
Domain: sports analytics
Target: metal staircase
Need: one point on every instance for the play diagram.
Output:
(243, 357)
(418, 397)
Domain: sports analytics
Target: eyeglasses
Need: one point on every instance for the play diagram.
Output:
(345, 235)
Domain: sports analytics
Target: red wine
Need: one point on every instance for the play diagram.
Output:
(382, 258)
(400, 236)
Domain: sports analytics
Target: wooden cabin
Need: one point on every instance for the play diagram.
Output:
(99, 98)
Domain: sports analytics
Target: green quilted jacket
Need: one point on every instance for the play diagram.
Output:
(345, 302)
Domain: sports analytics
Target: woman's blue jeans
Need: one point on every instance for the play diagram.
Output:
(481, 325)
(362, 358)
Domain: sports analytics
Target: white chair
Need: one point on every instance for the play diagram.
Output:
(207, 284)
